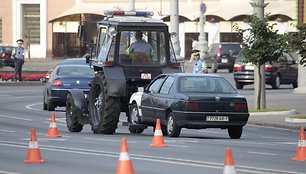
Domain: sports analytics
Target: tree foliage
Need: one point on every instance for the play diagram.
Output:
(262, 44)
(296, 41)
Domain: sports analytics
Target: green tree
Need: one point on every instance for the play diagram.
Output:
(261, 45)
(297, 42)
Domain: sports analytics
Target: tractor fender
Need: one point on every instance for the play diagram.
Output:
(79, 101)
(115, 80)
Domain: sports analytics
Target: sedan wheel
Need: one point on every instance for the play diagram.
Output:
(172, 129)
(134, 119)
(235, 132)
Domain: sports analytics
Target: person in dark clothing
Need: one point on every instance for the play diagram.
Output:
(18, 54)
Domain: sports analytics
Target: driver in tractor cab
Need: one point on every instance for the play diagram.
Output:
(140, 50)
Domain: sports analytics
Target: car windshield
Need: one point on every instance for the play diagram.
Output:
(79, 71)
(205, 84)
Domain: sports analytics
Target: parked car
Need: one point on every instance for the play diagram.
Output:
(222, 55)
(6, 55)
(63, 78)
(282, 71)
(192, 101)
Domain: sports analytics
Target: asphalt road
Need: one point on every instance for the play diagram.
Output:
(260, 150)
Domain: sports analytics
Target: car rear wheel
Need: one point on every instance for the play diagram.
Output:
(214, 68)
(134, 120)
(239, 85)
(235, 132)
(295, 84)
(230, 70)
(276, 82)
(72, 116)
(44, 104)
(50, 106)
(172, 129)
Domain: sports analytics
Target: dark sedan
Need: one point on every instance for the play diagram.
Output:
(63, 78)
(189, 101)
(282, 71)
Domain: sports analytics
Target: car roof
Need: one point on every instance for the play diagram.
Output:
(72, 61)
(192, 74)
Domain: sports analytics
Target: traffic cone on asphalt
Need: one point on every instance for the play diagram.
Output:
(33, 154)
(301, 147)
(53, 132)
(125, 164)
(158, 139)
(229, 166)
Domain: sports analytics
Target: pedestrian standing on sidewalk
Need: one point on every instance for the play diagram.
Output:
(199, 66)
(18, 55)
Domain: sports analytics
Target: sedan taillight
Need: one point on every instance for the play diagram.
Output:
(57, 83)
(241, 107)
(192, 106)
(219, 52)
(268, 68)
(237, 67)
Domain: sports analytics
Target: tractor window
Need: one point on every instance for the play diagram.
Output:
(100, 39)
(145, 48)
(106, 51)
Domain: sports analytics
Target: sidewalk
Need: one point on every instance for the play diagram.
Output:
(271, 119)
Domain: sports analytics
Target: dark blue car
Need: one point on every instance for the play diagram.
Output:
(63, 78)
(192, 101)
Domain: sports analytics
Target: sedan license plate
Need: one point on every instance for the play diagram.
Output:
(145, 76)
(217, 118)
(223, 60)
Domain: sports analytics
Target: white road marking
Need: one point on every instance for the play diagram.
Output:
(101, 139)
(7, 131)
(17, 118)
(14, 91)
(6, 172)
(245, 142)
(262, 153)
(287, 143)
(30, 107)
(24, 97)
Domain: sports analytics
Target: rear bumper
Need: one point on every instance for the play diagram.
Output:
(248, 77)
(58, 96)
(198, 120)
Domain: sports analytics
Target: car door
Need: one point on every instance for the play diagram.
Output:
(162, 99)
(147, 105)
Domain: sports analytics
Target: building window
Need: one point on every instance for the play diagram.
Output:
(1, 31)
(31, 22)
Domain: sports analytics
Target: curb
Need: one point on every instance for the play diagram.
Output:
(290, 112)
(295, 120)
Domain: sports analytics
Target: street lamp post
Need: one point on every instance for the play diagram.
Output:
(202, 44)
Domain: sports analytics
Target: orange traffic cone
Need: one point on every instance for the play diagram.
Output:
(229, 166)
(33, 154)
(158, 139)
(125, 164)
(53, 132)
(301, 148)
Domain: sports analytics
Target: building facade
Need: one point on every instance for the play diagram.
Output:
(50, 26)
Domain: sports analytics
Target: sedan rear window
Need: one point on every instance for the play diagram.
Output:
(79, 71)
(203, 84)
